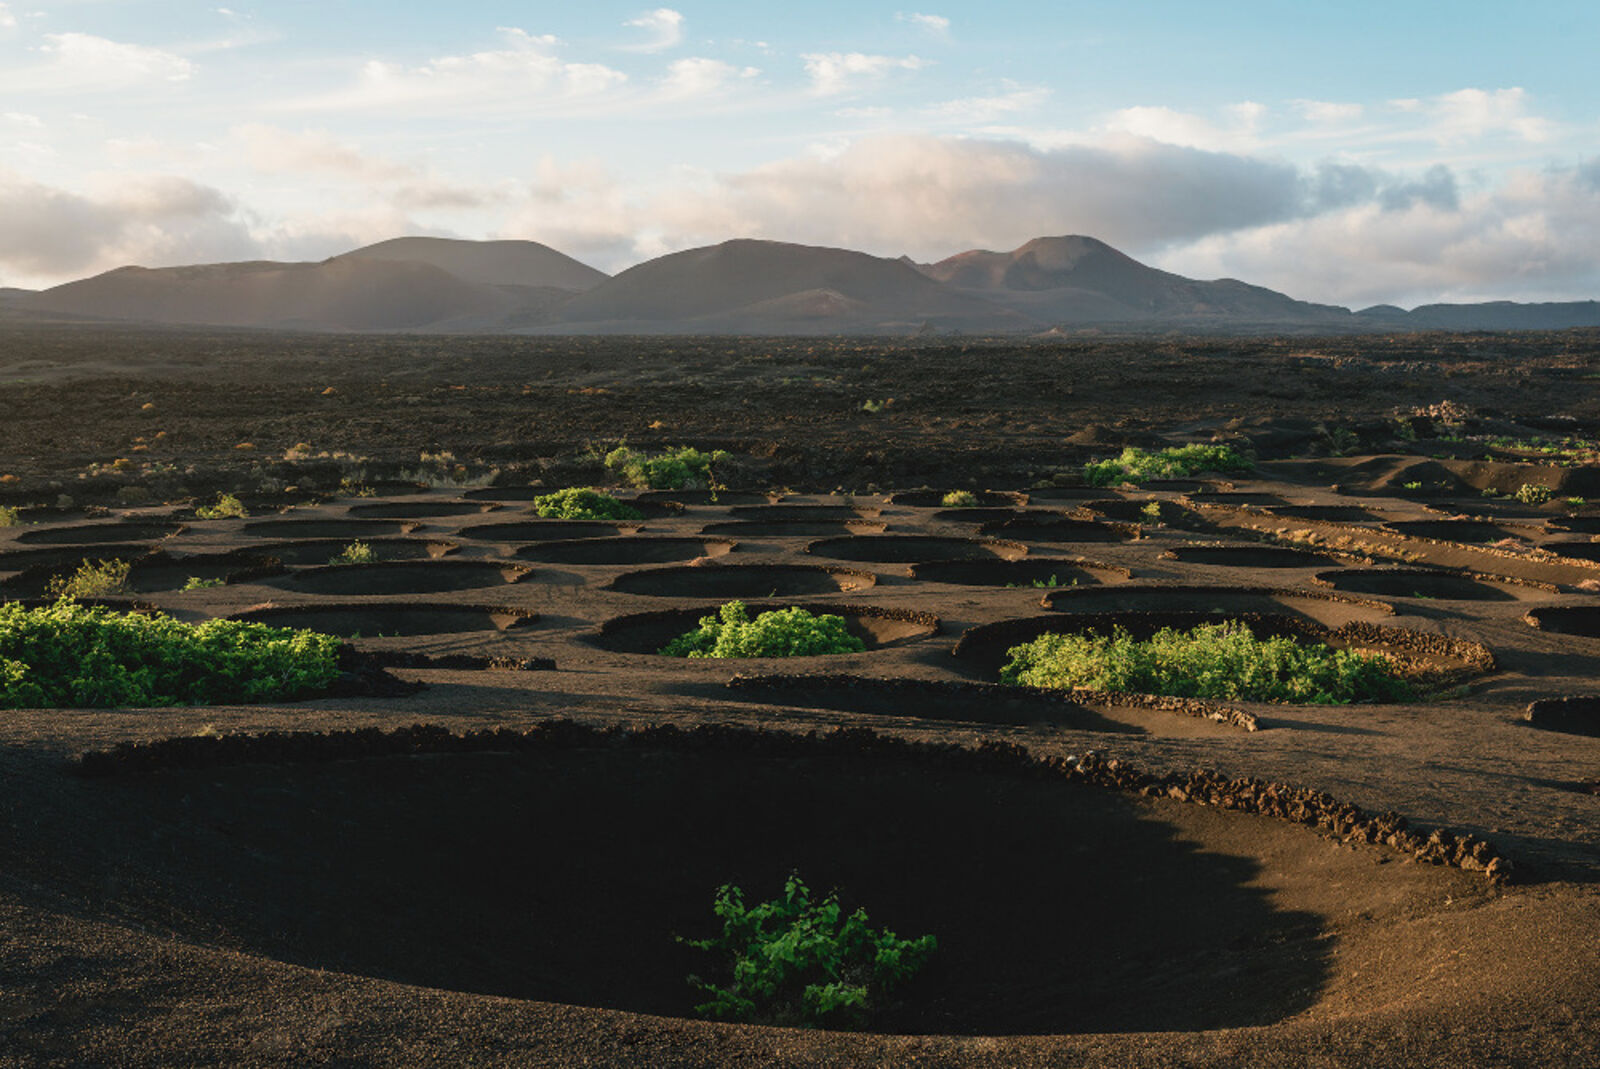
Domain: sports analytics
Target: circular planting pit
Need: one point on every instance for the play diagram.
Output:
(25, 559)
(547, 530)
(980, 514)
(1325, 608)
(743, 581)
(1577, 715)
(322, 550)
(1030, 529)
(879, 628)
(638, 549)
(583, 865)
(1443, 659)
(308, 528)
(1421, 583)
(418, 510)
(1327, 513)
(1248, 556)
(924, 699)
(1074, 494)
(160, 571)
(506, 493)
(406, 577)
(394, 620)
(805, 513)
(1589, 525)
(94, 534)
(1030, 572)
(933, 499)
(1470, 531)
(1580, 620)
(1137, 511)
(909, 549)
(793, 528)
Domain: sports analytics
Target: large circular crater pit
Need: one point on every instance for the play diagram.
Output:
(908, 549)
(406, 577)
(392, 620)
(638, 549)
(743, 581)
(877, 627)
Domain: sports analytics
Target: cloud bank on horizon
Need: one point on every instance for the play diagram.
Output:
(1360, 156)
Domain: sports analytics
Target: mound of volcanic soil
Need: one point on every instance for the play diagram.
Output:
(1326, 609)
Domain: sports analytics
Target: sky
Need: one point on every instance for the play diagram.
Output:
(1354, 153)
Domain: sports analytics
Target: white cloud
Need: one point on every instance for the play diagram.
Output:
(837, 72)
(1470, 114)
(663, 28)
(272, 149)
(8, 21)
(1173, 127)
(526, 74)
(1326, 112)
(22, 118)
(698, 76)
(937, 25)
(985, 109)
(84, 61)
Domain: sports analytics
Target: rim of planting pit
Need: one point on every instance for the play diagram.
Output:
(934, 499)
(1247, 555)
(743, 581)
(310, 528)
(146, 571)
(633, 549)
(1468, 532)
(420, 510)
(1589, 551)
(533, 530)
(94, 534)
(394, 619)
(1019, 573)
(1577, 714)
(1063, 529)
(704, 497)
(645, 633)
(1582, 621)
(805, 513)
(794, 528)
(1429, 583)
(911, 549)
(924, 699)
(1226, 498)
(406, 577)
(1330, 513)
(984, 647)
(1325, 607)
(318, 551)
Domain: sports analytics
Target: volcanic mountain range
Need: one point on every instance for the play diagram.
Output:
(421, 284)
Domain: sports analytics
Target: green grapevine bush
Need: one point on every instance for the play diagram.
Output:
(72, 655)
(680, 468)
(577, 503)
(1224, 660)
(779, 633)
(1137, 465)
(795, 961)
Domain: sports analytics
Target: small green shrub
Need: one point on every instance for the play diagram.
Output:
(872, 407)
(1223, 660)
(10, 517)
(959, 499)
(794, 961)
(93, 579)
(72, 655)
(1413, 486)
(1532, 494)
(779, 633)
(1137, 465)
(680, 468)
(578, 503)
(355, 553)
(227, 507)
(197, 583)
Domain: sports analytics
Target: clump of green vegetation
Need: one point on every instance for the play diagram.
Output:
(779, 633)
(959, 499)
(10, 517)
(1532, 494)
(227, 507)
(794, 961)
(93, 579)
(1412, 486)
(197, 583)
(578, 503)
(680, 468)
(1137, 465)
(1576, 502)
(73, 655)
(355, 553)
(1223, 660)
(1152, 513)
(874, 407)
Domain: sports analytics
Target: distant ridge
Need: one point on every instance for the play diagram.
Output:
(1050, 286)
